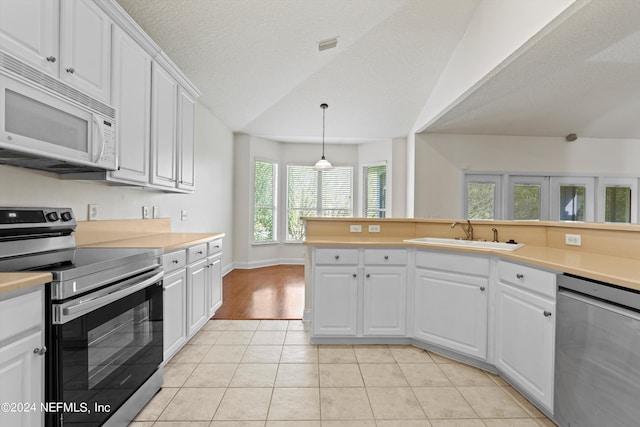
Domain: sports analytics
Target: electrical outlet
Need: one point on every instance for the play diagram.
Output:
(183, 215)
(573, 239)
(374, 228)
(156, 212)
(355, 228)
(145, 212)
(92, 212)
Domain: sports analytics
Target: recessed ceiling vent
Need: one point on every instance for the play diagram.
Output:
(327, 44)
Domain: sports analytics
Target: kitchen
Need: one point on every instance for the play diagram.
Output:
(217, 167)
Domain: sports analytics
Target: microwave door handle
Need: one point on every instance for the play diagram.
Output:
(100, 131)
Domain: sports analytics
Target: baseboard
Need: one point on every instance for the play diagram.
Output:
(267, 263)
(306, 315)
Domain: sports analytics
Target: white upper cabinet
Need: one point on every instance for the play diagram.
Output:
(186, 140)
(85, 48)
(132, 99)
(70, 39)
(29, 30)
(164, 95)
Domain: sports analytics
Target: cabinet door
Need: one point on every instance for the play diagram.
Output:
(451, 311)
(132, 99)
(85, 48)
(214, 285)
(335, 301)
(525, 334)
(197, 296)
(22, 380)
(29, 30)
(385, 301)
(186, 140)
(164, 92)
(175, 313)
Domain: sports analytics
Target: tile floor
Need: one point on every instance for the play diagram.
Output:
(252, 373)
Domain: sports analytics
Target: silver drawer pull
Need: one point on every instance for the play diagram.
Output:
(355, 275)
(386, 257)
(482, 288)
(337, 256)
(199, 252)
(175, 261)
(368, 275)
(71, 70)
(40, 351)
(520, 276)
(51, 59)
(547, 313)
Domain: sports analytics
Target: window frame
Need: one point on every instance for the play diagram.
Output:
(542, 181)
(273, 206)
(589, 193)
(483, 178)
(603, 183)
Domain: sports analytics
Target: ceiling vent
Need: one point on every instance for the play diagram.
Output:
(327, 44)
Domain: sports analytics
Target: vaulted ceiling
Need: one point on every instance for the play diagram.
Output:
(258, 66)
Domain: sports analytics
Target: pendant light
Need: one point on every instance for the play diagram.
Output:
(323, 164)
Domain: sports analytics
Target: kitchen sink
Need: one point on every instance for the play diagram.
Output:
(478, 244)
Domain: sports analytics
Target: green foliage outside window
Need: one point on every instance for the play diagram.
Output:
(480, 200)
(264, 202)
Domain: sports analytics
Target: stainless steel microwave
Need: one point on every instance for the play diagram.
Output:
(42, 128)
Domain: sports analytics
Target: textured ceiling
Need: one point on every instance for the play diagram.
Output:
(258, 66)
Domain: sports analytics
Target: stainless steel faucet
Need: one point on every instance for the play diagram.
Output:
(467, 228)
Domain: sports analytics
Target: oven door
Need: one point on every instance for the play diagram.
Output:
(103, 349)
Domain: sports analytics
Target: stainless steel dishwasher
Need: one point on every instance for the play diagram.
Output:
(597, 375)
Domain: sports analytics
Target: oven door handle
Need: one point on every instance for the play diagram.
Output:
(95, 303)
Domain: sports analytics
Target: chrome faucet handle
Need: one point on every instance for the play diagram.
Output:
(495, 234)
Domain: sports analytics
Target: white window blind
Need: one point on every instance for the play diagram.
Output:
(316, 193)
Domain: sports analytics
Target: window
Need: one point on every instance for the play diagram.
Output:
(375, 191)
(265, 196)
(317, 193)
(572, 199)
(482, 196)
(619, 198)
(528, 198)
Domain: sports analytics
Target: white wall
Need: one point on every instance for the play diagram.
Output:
(209, 207)
(443, 158)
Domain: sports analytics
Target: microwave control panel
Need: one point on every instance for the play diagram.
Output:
(108, 158)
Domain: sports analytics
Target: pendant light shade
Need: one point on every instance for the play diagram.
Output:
(323, 164)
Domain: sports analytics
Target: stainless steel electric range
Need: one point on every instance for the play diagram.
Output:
(103, 317)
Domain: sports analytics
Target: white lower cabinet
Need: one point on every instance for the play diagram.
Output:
(525, 329)
(22, 357)
(385, 301)
(197, 296)
(450, 310)
(175, 312)
(335, 296)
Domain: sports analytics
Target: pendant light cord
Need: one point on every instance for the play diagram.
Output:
(324, 109)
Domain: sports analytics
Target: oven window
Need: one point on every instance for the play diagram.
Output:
(113, 343)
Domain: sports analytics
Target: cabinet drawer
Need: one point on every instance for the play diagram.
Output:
(174, 260)
(454, 262)
(536, 280)
(197, 252)
(336, 256)
(385, 256)
(215, 246)
(21, 313)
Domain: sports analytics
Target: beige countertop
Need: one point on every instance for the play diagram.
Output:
(15, 281)
(167, 241)
(616, 270)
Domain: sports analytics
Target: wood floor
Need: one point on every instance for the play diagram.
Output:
(263, 293)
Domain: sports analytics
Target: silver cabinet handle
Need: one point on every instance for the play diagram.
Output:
(40, 351)
(71, 70)
(199, 252)
(337, 256)
(482, 288)
(520, 276)
(175, 261)
(547, 313)
(368, 275)
(51, 59)
(355, 275)
(386, 257)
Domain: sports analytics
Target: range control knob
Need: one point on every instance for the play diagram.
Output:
(52, 216)
(66, 216)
